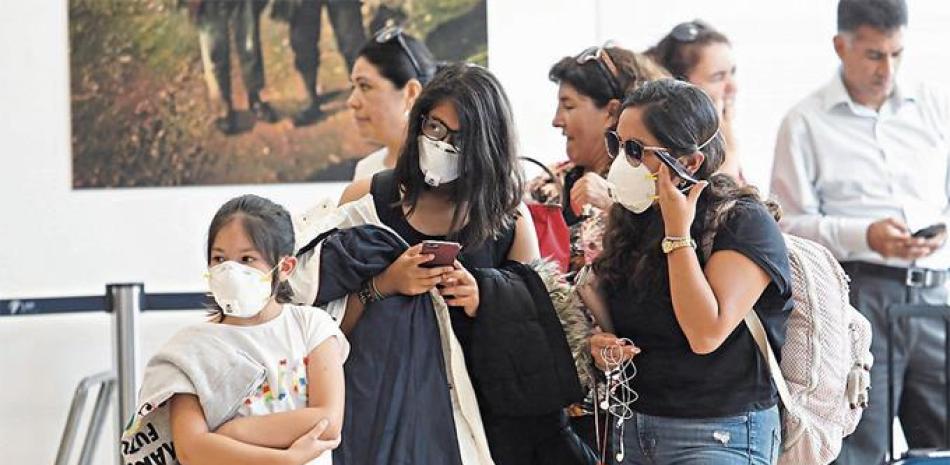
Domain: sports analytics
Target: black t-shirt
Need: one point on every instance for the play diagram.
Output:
(673, 381)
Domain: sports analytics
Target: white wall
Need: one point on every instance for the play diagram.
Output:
(61, 242)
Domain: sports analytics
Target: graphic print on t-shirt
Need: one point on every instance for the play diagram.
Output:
(290, 393)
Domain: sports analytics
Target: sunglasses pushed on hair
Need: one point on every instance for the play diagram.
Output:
(634, 151)
(688, 31)
(389, 33)
(605, 64)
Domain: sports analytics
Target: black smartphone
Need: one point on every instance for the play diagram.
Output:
(445, 252)
(678, 169)
(931, 231)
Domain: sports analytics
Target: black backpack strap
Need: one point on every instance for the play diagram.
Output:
(385, 195)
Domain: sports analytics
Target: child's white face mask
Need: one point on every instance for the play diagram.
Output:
(438, 160)
(240, 290)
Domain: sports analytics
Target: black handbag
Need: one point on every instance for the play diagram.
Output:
(583, 453)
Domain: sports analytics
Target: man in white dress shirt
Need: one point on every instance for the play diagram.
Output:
(860, 166)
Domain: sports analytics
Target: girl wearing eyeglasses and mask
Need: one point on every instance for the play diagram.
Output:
(590, 89)
(705, 393)
(388, 75)
(457, 179)
(696, 52)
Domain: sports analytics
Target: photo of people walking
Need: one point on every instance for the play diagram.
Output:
(209, 92)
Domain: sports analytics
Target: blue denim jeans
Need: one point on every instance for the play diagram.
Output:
(747, 439)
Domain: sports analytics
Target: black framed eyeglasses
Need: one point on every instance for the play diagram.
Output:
(389, 33)
(634, 151)
(689, 31)
(605, 64)
(436, 130)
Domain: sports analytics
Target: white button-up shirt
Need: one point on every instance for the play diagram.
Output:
(840, 166)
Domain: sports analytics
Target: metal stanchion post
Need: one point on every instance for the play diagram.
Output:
(105, 382)
(125, 301)
(95, 422)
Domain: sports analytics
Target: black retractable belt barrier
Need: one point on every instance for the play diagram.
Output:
(97, 303)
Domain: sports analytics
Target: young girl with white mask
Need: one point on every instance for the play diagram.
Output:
(295, 414)
(704, 390)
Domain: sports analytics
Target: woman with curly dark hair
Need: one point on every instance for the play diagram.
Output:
(705, 394)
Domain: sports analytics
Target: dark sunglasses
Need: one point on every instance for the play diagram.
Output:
(634, 151)
(605, 64)
(689, 31)
(389, 33)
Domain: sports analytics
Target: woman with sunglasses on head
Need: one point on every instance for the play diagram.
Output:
(591, 86)
(696, 52)
(388, 75)
(705, 395)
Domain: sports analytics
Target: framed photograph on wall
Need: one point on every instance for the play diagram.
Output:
(212, 92)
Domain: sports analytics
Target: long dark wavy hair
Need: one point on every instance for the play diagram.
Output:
(681, 117)
(488, 190)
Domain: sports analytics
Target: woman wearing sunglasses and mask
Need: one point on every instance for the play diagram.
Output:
(591, 86)
(705, 393)
(388, 75)
(696, 52)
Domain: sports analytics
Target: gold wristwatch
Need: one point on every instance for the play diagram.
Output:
(670, 244)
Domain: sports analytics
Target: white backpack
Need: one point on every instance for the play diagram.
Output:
(826, 358)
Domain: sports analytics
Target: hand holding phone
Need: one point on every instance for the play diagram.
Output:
(417, 270)
(931, 231)
(444, 253)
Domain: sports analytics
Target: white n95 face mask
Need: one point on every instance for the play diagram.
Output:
(240, 290)
(632, 187)
(438, 160)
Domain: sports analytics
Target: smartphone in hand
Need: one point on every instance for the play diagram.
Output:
(445, 252)
(931, 231)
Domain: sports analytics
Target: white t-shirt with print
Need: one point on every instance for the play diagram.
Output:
(282, 345)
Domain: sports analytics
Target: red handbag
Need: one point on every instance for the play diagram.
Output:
(554, 237)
